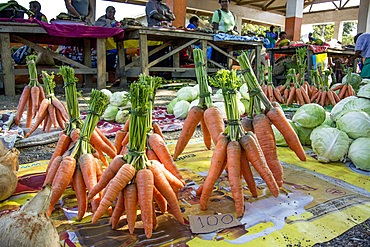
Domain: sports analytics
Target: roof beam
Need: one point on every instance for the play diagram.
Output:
(268, 4)
(239, 2)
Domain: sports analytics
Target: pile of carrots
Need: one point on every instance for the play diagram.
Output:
(48, 109)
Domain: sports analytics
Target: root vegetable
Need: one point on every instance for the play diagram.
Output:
(8, 172)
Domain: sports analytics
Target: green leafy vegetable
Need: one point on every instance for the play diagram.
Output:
(359, 153)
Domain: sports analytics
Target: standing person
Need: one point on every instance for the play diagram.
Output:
(362, 49)
(35, 7)
(272, 37)
(157, 12)
(223, 19)
(82, 8)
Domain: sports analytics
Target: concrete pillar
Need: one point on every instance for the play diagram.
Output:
(338, 30)
(363, 25)
(178, 8)
(293, 19)
(239, 23)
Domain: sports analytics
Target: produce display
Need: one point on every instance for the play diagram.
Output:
(117, 110)
(8, 171)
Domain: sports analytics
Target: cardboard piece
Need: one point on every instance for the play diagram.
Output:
(211, 223)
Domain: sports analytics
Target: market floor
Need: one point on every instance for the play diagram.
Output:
(356, 236)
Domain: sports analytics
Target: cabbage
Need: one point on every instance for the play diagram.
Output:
(246, 105)
(355, 123)
(110, 113)
(244, 91)
(364, 91)
(194, 103)
(310, 115)
(107, 93)
(358, 104)
(119, 98)
(181, 109)
(355, 80)
(359, 153)
(280, 141)
(330, 144)
(365, 81)
(337, 109)
(187, 93)
(303, 134)
(121, 116)
(221, 106)
(241, 107)
(196, 87)
(171, 105)
(329, 120)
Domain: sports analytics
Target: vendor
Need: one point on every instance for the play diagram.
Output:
(35, 8)
(362, 49)
(193, 22)
(223, 19)
(282, 36)
(157, 12)
(82, 8)
(272, 37)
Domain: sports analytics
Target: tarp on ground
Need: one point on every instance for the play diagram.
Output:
(320, 202)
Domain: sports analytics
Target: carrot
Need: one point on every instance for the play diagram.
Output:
(126, 126)
(327, 99)
(264, 89)
(351, 91)
(125, 140)
(342, 91)
(160, 200)
(299, 96)
(61, 180)
(151, 155)
(314, 97)
(58, 105)
(61, 147)
(199, 191)
(233, 164)
(42, 93)
(60, 119)
(266, 139)
(131, 205)
(52, 170)
(337, 87)
(247, 124)
(347, 94)
(308, 89)
(29, 113)
(247, 174)
(46, 120)
(165, 189)
(323, 97)
(306, 98)
(80, 189)
(159, 147)
(277, 117)
(48, 123)
(282, 88)
(319, 97)
(145, 183)
(214, 122)
(217, 164)
(336, 97)
(155, 222)
(99, 168)
(98, 143)
(36, 124)
(107, 175)
(52, 114)
(331, 97)
(118, 211)
(105, 139)
(75, 134)
(270, 93)
(256, 157)
(88, 169)
(122, 178)
(118, 140)
(291, 95)
(157, 129)
(23, 100)
(278, 96)
(124, 150)
(207, 139)
(191, 122)
(35, 93)
(174, 181)
(286, 94)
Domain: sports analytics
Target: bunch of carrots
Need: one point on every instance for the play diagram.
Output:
(51, 111)
(272, 93)
(210, 117)
(137, 179)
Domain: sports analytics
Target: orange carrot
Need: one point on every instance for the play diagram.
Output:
(35, 94)
(122, 178)
(160, 200)
(336, 97)
(165, 189)
(286, 94)
(247, 124)
(247, 173)
(118, 140)
(291, 96)
(315, 96)
(36, 124)
(174, 181)
(323, 97)
(256, 157)
(308, 89)
(124, 150)
(98, 143)
(80, 189)
(61, 180)
(23, 100)
(270, 93)
(278, 96)
(58, 105)
(131, 205)
(264, 89)
(53, 168)
(207, 139)
(199, 191)
(48, 124)
(306, 98)
(319, 97)
(60, 119)
(52, 114)
(342, 92)
(157, 130)
(299, 96)
(125, 140)
(99, 168)
(61, 147)
(46, 120)
(351, 91)
(105, 139)
(331, 97)
(126, 127)
(214, 122)
(107, 175)
(151, 155)
(337, 87)
(88, 169)
(119, 209)
(155, 223)
(217, 164)
(145, 183)
(159, 147)
(191, 122)
(266, 139)
(277, 117)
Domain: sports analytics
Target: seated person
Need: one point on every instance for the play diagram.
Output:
(157, 12)
(282, 36)
(35, 7)
(193, 22)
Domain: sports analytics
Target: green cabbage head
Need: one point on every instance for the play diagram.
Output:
(310, 115)
(171, 105)
(359, 153)
(303, 134)
(187, 93)
(330, 144)
(353, 79)
(355, 123)
(364, 91)
(337, 109)
(181, 109)
(329, 120)
(110, 113)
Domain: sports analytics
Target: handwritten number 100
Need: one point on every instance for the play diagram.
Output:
(213, 220)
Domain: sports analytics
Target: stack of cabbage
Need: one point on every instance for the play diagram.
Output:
(117, 100)
(333, 136)
(188, 97)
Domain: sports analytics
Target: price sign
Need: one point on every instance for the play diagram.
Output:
(211, 223)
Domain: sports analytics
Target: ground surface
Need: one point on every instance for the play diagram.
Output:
(356, 236)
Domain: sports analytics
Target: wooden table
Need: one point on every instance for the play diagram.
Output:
(18, 32)
(177, 40)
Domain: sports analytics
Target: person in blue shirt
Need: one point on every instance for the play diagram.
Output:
(272, 37)
(193, 22)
